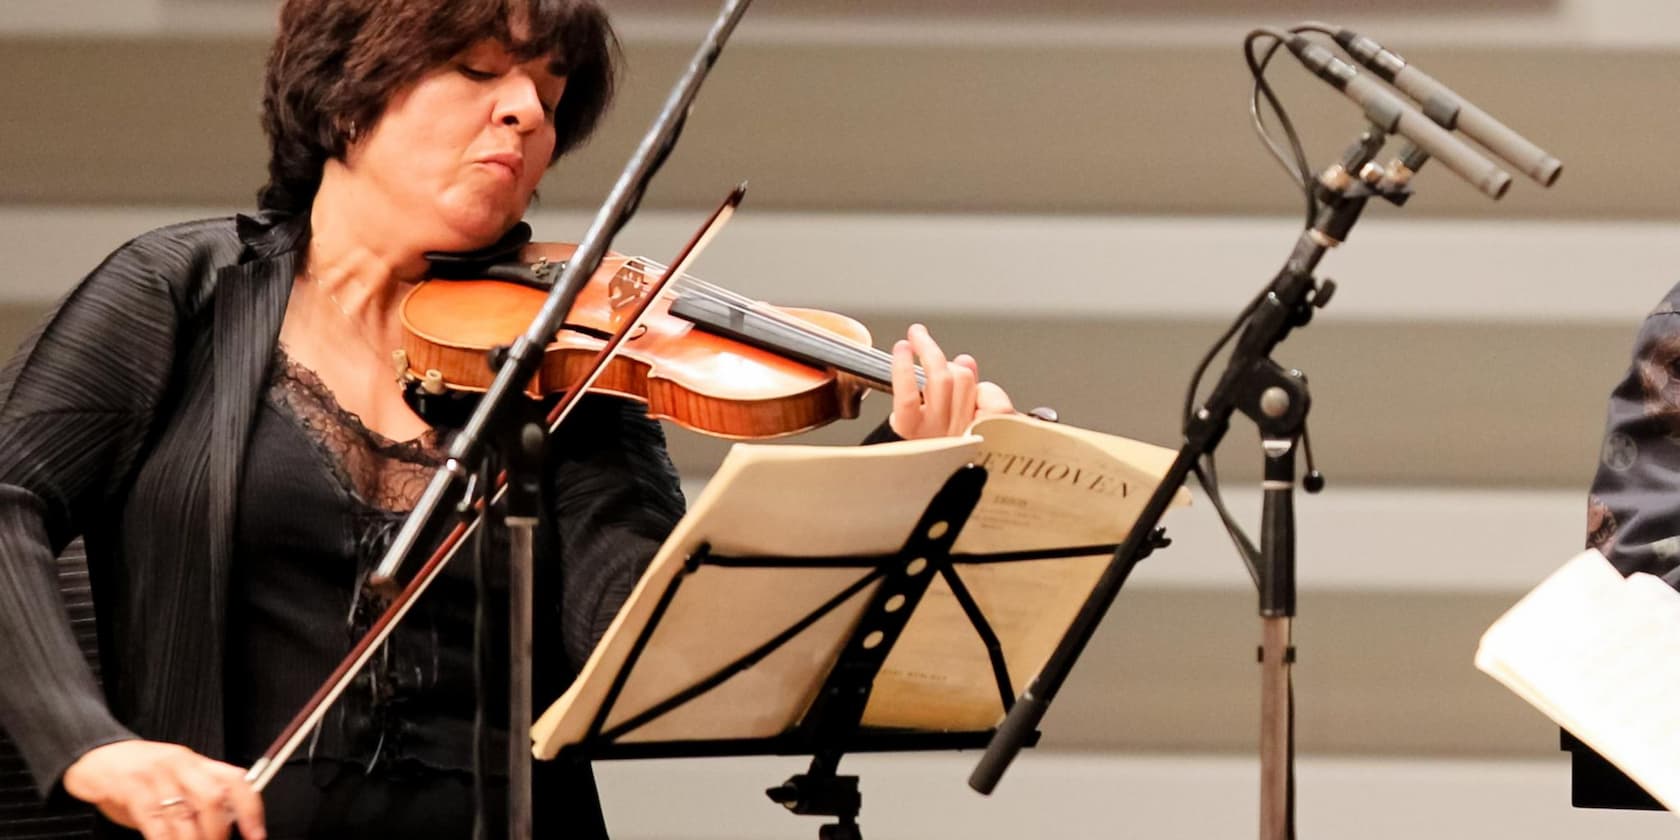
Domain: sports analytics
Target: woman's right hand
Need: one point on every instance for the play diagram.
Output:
(166, 791)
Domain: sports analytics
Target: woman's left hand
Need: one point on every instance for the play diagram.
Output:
(953, 397)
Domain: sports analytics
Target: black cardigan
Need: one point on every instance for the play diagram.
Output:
(125, 418)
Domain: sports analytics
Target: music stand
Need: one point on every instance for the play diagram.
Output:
(1596, 783)
(809, 680)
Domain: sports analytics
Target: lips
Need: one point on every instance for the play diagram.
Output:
(512, 163)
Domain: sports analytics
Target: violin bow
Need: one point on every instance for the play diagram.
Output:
(263, 770)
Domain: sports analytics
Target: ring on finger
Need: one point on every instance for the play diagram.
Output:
(169, 805)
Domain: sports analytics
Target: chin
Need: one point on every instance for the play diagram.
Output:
(469, 232)
(466, 219)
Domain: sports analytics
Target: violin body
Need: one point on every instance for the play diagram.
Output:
(713, 384)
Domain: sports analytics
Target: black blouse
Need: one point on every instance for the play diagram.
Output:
(320, 502)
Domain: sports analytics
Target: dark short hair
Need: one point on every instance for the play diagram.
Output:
(336, 63)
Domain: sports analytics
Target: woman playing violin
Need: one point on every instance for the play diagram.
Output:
(212, 411)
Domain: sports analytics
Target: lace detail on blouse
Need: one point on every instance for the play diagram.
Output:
(384, 479)
(384, 474)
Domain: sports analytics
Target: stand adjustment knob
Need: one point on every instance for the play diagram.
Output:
(1313, 481)
(1274, 402)
(1322, 295)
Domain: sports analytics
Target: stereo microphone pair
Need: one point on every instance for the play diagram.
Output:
(1429, 129)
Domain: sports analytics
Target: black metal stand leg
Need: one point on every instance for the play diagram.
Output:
(1276, 750)
(484, 654)
(846, 829)
(524, 502)
(820, 792)
(518, 446)
(1279, 407)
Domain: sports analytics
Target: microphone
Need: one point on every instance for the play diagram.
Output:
(1387, 112)
(1450, 110)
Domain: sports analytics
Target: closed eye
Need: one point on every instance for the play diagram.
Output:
(477, 75)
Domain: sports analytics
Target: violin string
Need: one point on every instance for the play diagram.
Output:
(873, 361)
(741, 302)
(866, 357)
(795, 333)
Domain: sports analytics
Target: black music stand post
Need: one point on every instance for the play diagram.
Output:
(831, 725)
(1596, 783)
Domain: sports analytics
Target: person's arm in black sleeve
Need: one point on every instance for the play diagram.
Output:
(881, 434)
(615, 497)
(75, 406)
(1634, 509)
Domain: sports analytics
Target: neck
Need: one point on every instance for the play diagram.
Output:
(358, 250)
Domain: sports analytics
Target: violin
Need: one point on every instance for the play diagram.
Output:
(702, 357)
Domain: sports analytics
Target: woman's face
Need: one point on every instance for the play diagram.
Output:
(458, 154)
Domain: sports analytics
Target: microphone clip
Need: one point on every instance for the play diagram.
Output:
(1358, 175)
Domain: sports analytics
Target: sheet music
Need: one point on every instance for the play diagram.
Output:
(1600, 655)
(1048, 486)
(1075, 488)
(789, 501)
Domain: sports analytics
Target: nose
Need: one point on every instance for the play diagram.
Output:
(519, 106)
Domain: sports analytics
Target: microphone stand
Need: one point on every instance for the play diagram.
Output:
(1277, 400)
(499, 410)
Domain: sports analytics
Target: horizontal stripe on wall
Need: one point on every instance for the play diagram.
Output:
(1180, 267)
